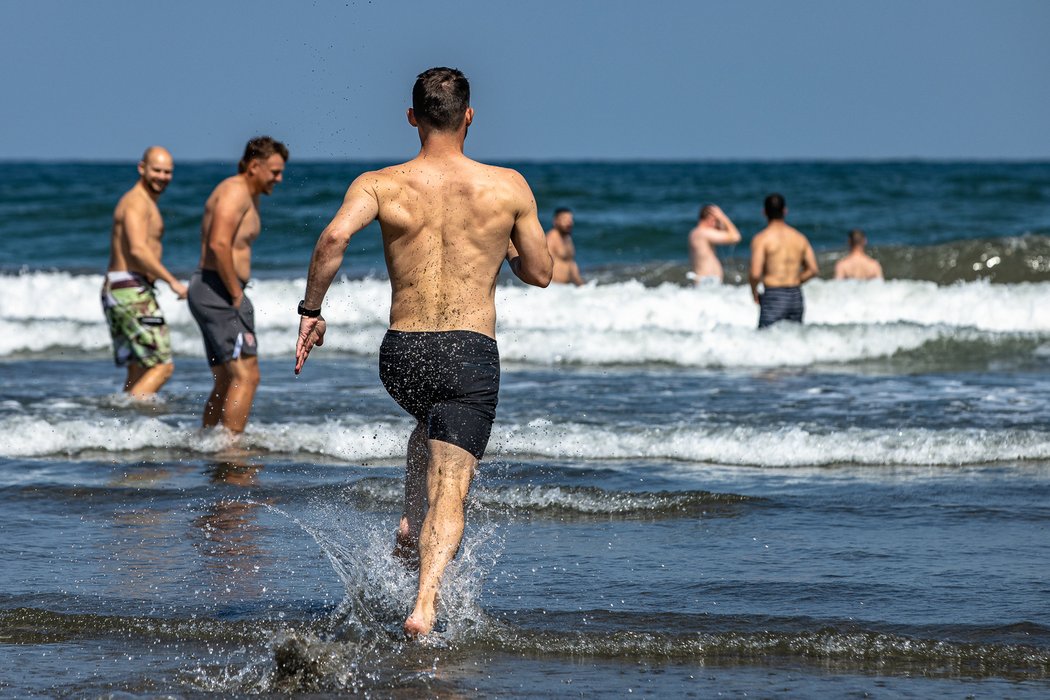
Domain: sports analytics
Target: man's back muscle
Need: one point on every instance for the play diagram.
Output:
(446, 226)
(784, 250)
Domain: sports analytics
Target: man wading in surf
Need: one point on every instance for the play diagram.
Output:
(448, 222)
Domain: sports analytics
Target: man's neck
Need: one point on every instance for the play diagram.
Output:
(441, 144)
(148, 191)
(253, 188)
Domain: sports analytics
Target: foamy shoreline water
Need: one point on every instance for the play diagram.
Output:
(618, 323)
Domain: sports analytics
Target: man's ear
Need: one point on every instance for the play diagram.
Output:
(411, 114)
(470, 115)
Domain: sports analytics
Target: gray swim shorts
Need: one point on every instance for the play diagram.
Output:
(229, 333)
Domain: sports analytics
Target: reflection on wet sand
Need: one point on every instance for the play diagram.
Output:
(232, 555)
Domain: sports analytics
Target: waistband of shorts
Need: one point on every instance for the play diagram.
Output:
(126, 279)
(212, 277)
(464, 335)
(795, 288)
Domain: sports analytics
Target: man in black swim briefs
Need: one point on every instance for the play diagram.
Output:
(448, 223)
(781, 260)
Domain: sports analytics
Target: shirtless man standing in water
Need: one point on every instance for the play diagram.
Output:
(217, 301)
(781, 260)
(858, 265)
(141, 339)
(712, 228)
(562, 249)
(448, 223)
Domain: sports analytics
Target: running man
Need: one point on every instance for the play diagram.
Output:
(217, 301)
(858, 265)
(562, 249)
(781, 260)
(712, 228)
(141, 339)
(447, 222)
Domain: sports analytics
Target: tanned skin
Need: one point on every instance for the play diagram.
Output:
(448, 223)
(135, 246)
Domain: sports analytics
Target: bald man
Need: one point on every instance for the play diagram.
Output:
(141, 341)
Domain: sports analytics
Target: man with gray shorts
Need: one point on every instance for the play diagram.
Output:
(216, 295)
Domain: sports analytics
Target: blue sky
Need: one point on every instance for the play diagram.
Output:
(603, 79)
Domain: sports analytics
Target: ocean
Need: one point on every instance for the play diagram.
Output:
(672, 503)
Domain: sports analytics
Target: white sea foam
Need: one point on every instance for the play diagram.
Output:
(597, 324)
(357, 442)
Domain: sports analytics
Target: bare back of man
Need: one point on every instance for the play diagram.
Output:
(858, 265)
(781, 261)
(448, 223)
(139, 332)
(783, 251)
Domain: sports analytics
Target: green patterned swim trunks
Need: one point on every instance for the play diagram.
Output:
(138, 329)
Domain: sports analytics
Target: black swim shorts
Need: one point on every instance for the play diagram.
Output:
(448, 380)
(780, 304)
(229, 333)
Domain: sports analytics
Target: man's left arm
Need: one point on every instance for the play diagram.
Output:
(809, 264)
(757, 267)
(360, 208)
(574, 274)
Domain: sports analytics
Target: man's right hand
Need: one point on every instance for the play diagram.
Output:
(235, 301)
(311, 333)
(179, 288)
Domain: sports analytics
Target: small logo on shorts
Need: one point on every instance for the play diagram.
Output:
(249, 339)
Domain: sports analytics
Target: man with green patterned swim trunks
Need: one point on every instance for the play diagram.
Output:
(140, 335)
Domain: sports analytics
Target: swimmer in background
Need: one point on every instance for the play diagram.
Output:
(712, 228)
(562, 249)
(140, 335)
(782, 260)
(858, 265)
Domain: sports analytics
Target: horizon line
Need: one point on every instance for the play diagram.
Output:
(1033, 160)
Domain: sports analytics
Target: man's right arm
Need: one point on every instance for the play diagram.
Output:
(727, 237)
(527, 254)
(230, 208)
(136, 233)
(360, 207)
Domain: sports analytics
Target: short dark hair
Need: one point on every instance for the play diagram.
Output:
(562, 210)
(705, 210)
(775, 206)
(856, 238)
(440, 98)
(261, 148)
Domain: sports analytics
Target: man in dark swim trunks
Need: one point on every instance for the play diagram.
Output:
(216, 296)
(448, 223)
(781, 259)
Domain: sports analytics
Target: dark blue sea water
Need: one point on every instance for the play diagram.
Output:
(672, 503)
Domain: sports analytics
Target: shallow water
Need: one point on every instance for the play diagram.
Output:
(672, 503)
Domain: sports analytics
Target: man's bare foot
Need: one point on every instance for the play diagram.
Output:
(417, 626)
(406, 547)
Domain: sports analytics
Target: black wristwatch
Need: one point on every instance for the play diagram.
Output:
(309, 313)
